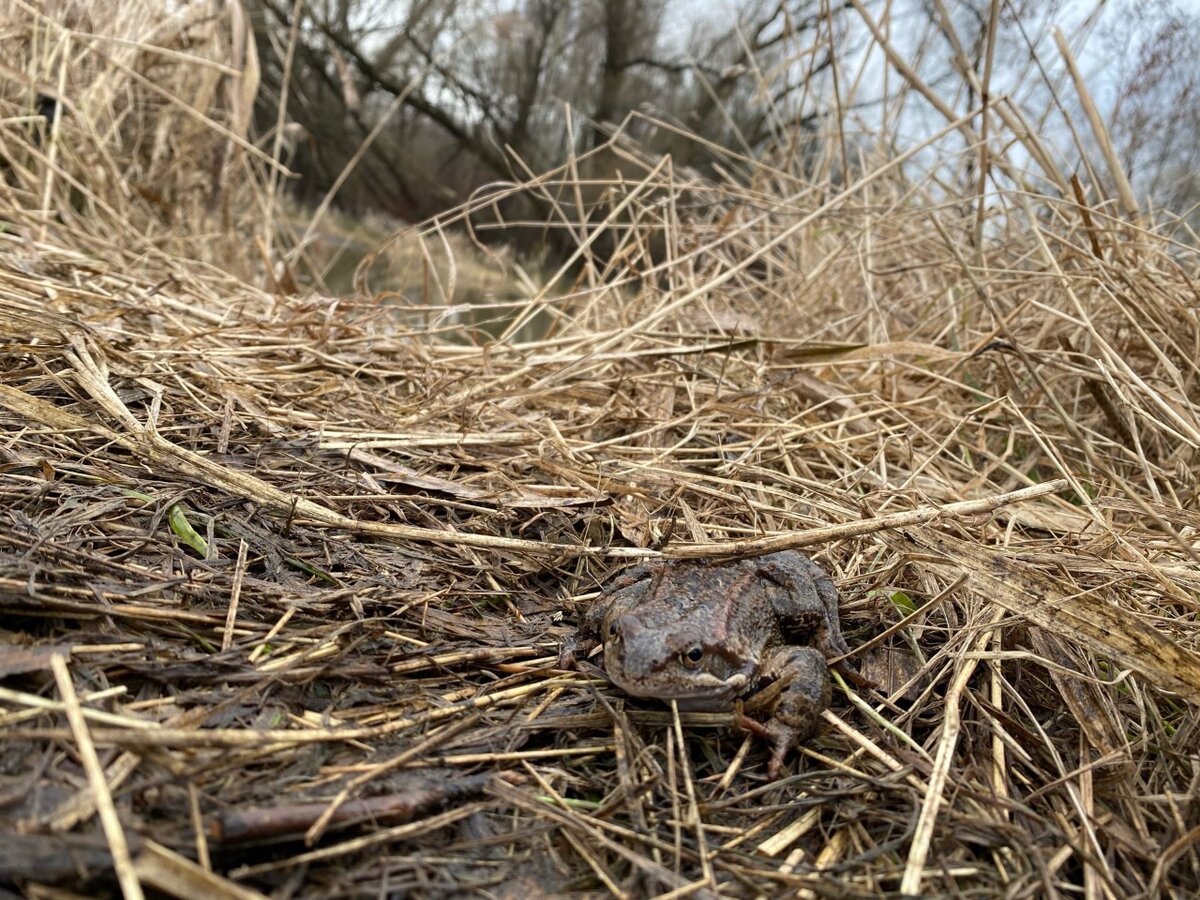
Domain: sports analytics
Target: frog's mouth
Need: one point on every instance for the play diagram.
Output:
(702, 690)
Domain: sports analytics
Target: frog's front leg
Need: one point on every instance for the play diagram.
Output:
(806, 693)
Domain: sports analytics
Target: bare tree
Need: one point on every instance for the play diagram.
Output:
(482, 84)
(1156, 109)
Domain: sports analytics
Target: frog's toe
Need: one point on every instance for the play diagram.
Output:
(783, 738)
(567, 657)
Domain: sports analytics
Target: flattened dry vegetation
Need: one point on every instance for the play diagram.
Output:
(284, 576)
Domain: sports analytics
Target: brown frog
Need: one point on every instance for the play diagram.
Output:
(707, 633)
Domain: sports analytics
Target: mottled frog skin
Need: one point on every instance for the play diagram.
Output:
(708, 633)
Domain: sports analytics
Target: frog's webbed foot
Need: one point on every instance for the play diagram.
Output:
(780, 736)
(568, 653)
(572, 649)
(783, 738)
(852, 675)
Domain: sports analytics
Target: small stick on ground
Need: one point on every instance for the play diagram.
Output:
(113, 832)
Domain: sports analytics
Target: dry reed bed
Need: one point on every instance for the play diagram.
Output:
(273, 566)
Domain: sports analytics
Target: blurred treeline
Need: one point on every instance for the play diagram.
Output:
(474, 92)
(407, 108)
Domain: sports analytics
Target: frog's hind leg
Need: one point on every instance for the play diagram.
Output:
(809, 601)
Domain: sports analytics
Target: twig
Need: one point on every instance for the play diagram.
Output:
(830, 533)
(122, 861)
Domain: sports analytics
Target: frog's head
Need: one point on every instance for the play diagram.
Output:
(672, 659)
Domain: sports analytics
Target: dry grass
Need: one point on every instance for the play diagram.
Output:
(305, 560)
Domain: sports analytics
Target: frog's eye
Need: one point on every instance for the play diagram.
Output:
(692, 656)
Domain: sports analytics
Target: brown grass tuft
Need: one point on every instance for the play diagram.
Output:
(299, 548)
